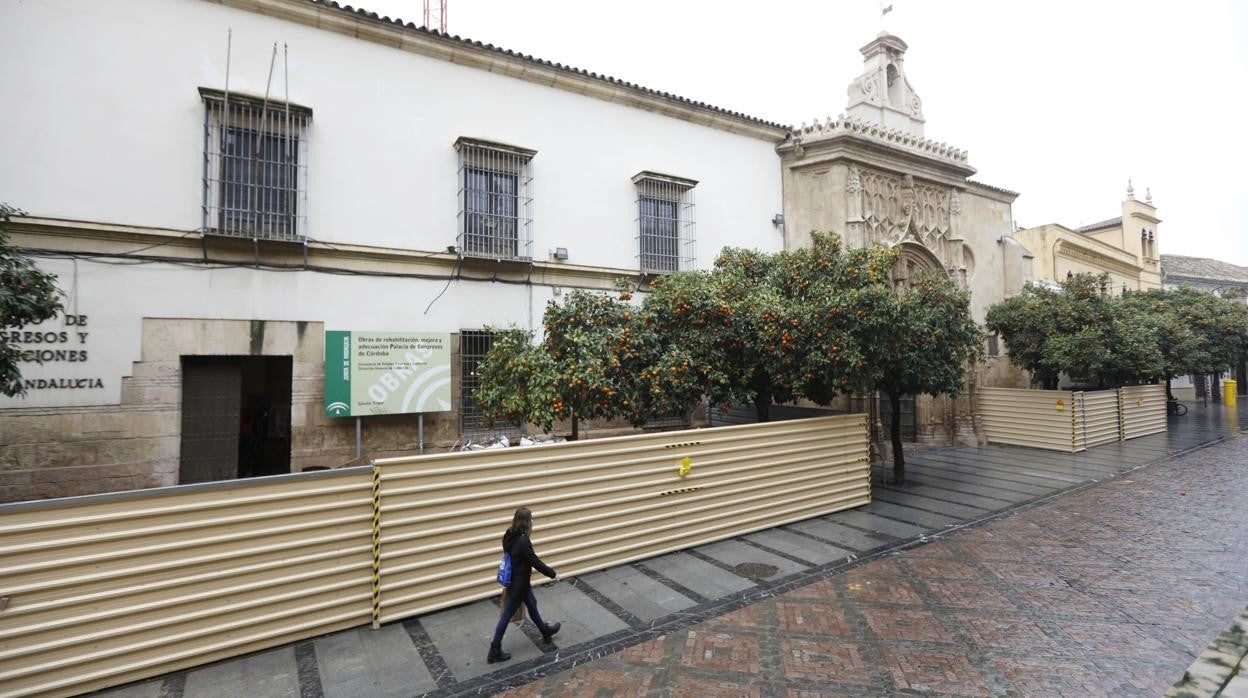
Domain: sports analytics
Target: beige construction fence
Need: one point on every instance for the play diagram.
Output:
(1070, 420)
(103, 590)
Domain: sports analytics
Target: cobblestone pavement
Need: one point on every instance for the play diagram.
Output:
(1111, 590)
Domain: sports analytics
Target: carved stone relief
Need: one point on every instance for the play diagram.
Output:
(894, 208)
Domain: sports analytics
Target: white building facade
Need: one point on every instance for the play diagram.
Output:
(392, 179)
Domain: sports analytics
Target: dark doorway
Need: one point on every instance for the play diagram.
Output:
(907, 417)
(235, 417)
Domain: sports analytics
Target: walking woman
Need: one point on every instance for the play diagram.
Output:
(517, 544)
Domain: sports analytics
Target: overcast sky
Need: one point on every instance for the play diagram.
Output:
(1061, 101)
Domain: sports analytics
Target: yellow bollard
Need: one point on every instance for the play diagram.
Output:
(1228, 393)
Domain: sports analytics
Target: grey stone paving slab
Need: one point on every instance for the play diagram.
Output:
(273, 674)
(1074, 467)
(970, 506)
(1055, 477)
(636, 593)
(957, 479)
(698, 575)
(734, 552)
(147, 689)
(462, 636)
(952, 466)
(582, 618)
(365, 662)
(848, 538)
(924, 519)
(988, 468)
(949, 490)
(871, 522)
(813, 551)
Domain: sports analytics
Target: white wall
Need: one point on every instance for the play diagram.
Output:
(115, 299)
(103, 123)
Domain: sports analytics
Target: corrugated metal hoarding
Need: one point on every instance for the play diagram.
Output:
(109, 589)
(1071, 421)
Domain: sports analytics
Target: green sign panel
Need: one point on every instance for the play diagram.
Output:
(386, 373)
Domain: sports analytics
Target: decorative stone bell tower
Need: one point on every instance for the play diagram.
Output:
(882, 94)
(873, 177)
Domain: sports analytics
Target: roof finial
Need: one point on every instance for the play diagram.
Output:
(1130, 189)
(1148, 195)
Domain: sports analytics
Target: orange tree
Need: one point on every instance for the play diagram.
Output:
(1080, 330)
(27, 296)
(768, 328)
(573, 374)
(1198, 333)
(919, 338)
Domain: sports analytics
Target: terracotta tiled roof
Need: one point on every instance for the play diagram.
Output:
(1173, 265)
(1100, 224)
(409, 26)
(989, 186)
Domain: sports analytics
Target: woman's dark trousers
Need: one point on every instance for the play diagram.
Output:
(513, 603)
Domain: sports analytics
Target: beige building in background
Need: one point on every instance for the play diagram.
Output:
(1126, 247)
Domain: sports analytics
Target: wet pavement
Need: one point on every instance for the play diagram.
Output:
(1111, 590)
(984, 549)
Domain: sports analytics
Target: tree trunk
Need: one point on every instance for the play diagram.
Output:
(575, 430)
(1169, 395)
(762, 408)
(899, 457)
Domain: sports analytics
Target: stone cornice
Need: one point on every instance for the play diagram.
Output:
(183, 246)
(1071, 249)
(875, 156)
(330, 16)
(807, 136)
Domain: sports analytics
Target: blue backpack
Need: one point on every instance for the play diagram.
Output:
(504, 570)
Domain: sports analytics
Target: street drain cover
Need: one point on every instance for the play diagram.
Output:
(755, 570)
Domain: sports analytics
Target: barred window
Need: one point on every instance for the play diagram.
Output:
(495, 201)
(473, 346)
(255, 167)
(665, 222)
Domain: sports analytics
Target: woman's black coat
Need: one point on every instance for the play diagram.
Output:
(523, 560)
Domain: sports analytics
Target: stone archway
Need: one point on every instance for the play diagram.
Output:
(914, 257)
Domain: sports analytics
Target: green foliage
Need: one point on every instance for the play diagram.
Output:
(1112, 340)
(1197, 332)
(758, 328)
(1026, 322)
(918, 339)
(27, 296)
(771, 328)
(573, 374)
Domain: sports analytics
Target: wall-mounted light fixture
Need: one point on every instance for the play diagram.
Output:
(561, 253)
(778, 220)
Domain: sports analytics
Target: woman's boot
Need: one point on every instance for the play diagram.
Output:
(550, 630)
(496, 655)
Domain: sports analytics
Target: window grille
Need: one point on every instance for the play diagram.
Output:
(473, 346)
(669, 421)
(665, 223)
(255, 167)
(495, 200)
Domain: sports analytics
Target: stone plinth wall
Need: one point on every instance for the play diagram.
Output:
(68, 451)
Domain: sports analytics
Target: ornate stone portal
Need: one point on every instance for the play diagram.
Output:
(872, 177)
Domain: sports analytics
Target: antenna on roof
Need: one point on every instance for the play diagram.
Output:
(435, 15)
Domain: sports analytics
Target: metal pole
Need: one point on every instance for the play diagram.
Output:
(358, 446)
(420, 433)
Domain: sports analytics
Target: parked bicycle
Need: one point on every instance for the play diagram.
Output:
(1175, 408)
